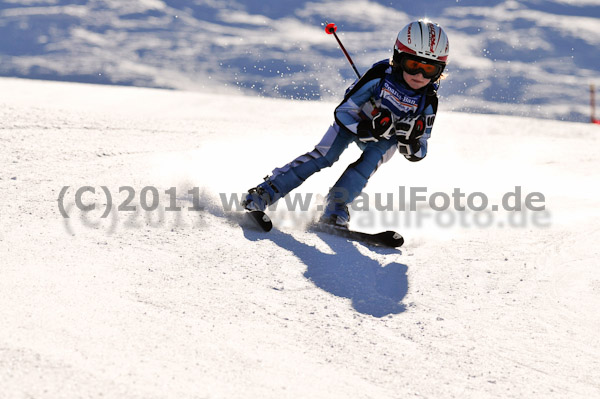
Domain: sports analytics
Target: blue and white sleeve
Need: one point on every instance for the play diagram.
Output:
(348, 113)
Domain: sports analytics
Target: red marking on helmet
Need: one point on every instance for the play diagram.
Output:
(408, 34)
(432, 37)
(384, 121)
(401, 47)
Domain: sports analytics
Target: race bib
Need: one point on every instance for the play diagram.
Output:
(398, 101)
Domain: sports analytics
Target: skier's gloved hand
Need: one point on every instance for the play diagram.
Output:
(408, 133)
(364, 133)
(381, 126)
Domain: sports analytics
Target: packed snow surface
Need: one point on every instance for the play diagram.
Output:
(195, 303)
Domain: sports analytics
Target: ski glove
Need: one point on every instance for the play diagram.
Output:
(408, 133)
(381, 126)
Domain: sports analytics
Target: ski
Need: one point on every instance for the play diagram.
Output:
(384, 239)
(261, 220)
(388, 238)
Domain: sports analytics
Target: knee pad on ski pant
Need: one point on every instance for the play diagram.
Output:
(356, 176)
(325, 154)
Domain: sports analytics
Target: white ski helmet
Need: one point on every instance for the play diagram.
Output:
(423, 39)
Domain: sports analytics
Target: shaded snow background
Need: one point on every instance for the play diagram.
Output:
(529, 57)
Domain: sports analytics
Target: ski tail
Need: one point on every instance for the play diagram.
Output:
(261, 220)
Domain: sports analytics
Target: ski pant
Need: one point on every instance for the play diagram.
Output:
(326, 153)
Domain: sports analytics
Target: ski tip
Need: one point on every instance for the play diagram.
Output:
(399, 240)
(393, 239)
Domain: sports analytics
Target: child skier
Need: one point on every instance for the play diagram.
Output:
(393, 105)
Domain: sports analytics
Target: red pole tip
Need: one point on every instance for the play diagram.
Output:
(330, 28)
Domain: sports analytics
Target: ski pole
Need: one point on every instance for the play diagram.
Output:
(331, 29)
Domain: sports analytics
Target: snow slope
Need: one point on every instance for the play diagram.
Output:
(198, 306)
(519, 57)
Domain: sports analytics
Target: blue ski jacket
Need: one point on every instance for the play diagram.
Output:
(387, 89)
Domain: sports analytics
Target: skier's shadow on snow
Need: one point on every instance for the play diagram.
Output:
(374, 289)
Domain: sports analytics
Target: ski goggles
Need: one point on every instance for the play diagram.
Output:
(413, 66)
